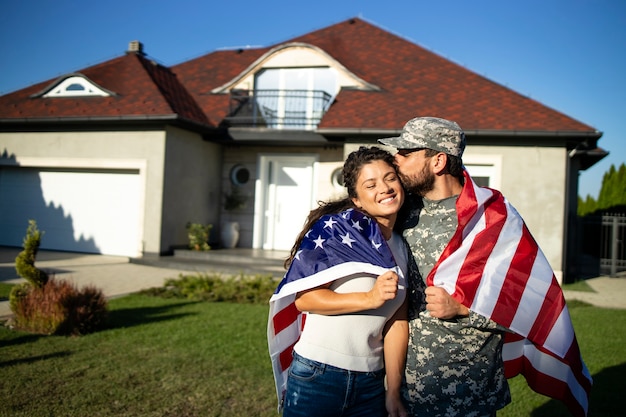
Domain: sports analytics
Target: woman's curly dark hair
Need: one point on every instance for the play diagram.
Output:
(351, 170)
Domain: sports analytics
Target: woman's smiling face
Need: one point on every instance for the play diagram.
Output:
(379, 191)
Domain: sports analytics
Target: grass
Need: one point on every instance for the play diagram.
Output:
(578, 286)
(5, 290)
(160, 357)
(601, 336)
(172, 357)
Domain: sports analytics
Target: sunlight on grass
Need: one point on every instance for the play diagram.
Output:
(577, 286)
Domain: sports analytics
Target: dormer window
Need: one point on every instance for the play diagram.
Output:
(76, 86)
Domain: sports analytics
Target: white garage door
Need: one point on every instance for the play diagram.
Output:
(79, 210)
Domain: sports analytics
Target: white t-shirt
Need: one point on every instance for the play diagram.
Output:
(354, 341)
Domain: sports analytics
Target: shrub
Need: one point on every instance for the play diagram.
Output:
(198, 235)
(240, 289)
(60, 308)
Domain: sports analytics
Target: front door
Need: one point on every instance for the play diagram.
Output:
(287, 185)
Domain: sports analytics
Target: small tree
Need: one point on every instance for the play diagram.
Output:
(25, 266)
(612, 192)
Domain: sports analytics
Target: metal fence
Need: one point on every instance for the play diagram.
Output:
(613, 251)
(603, 240)
(278, 109)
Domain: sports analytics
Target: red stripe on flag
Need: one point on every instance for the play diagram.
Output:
(574, 359)
(552, 387)
(515, 280)
(474, 264)
(286, 358)
(285, 317)
(466, 204)
(304, 316)
(514, 366)
(551, 309)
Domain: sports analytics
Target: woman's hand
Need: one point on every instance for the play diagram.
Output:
(385, 289)
(394, 405)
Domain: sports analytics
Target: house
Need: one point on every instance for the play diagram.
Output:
(118, 157)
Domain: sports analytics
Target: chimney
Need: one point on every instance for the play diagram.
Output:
(135, 46)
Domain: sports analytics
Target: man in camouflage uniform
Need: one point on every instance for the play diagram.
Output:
(454, 360)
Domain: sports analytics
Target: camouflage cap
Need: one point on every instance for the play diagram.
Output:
(432, 133)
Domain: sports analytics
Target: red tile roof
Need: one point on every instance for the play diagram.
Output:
(141, 87)
(412, 80)
(417, 82)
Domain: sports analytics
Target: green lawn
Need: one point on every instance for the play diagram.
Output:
(167, 357)
(5, 290)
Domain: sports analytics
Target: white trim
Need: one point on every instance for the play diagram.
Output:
(47, 162)
(88, 88)
(263, 62)
(485, 166)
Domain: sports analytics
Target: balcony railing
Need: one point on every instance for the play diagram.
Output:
(278, 109)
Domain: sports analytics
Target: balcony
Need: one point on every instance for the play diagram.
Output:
(278, 109)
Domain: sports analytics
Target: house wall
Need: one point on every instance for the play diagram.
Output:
(191, 191)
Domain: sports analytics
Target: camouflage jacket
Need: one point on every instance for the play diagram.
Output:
(454, 367)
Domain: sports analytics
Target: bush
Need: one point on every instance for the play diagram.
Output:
(198, 235)
(59, 308)
(240, 289)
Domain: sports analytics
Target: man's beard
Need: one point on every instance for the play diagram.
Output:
(418, 184)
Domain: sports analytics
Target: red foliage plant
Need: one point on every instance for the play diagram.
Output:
(59, 307)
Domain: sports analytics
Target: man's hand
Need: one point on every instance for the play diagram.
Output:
(441, 304)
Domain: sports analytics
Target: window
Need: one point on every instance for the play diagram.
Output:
(76, 86)
(294, 98)
(336, 179)
(484, 169)
(239, 175)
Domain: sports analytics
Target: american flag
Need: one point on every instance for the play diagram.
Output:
(337, 246)
(494, 267)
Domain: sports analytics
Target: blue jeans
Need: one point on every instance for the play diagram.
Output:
(316, 389)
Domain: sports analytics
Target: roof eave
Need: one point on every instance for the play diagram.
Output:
(476, 132)
(6, 124)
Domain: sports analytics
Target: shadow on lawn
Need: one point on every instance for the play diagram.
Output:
(606, 399)
(28, 338)
(32, 359)
(128, 317)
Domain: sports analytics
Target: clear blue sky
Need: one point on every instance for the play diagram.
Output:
(569, 55)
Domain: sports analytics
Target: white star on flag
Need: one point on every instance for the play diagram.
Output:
(357, 225)
(347, 240)
(329, 223)
(318, 242)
